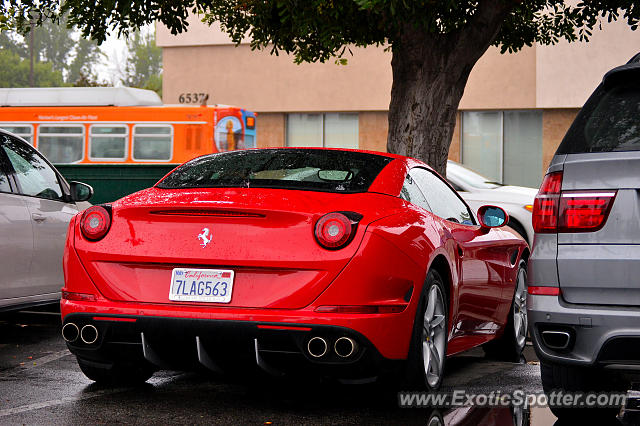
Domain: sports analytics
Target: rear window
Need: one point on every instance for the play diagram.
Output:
(305, 169)
(609, 122)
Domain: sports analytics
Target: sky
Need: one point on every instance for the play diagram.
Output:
(111, 68)
(112, 65)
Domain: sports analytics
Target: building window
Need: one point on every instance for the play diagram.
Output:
(152, 142)
(25, 131)
(108, 142)
(331, 130)
(504, 146)
(61, 143)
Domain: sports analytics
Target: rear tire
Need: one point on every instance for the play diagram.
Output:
(428, 348)
(510, 345)
(116, 373)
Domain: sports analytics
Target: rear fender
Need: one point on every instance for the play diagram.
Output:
(76, 278)
(413, 233)
(390, 269)
(380, 275)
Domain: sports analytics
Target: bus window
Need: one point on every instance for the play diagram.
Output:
(152, 142)
(25, 131)
(61, 143)
(108, 142)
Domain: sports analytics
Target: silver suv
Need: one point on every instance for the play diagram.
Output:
(584, 271)
(36, 205)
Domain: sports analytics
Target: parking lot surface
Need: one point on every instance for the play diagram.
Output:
(40, 383)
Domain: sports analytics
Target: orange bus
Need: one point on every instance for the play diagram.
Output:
(121, 125)
(107, 126)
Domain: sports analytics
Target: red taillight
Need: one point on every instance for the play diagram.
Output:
(543, 291)
(552, 183)
(583, 211)
(81, 297)
(569, 211)
(95, 223)
(334, 231)
(545, 206)
(363, 309)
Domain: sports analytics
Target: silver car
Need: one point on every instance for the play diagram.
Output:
(36, 205)
(584, 270)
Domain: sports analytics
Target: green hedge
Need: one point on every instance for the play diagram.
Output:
(113, 181)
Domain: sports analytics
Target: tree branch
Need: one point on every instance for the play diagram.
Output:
(472, 41)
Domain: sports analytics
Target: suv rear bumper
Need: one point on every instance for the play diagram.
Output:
(598, 335)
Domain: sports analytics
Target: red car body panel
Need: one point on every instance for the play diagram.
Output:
(161, 237)
(282, 274)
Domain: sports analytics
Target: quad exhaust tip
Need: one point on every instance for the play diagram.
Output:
(344, 347)
(89, 334)
(70, 332)
(317, 347)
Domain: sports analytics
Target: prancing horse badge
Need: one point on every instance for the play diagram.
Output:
(205, 237)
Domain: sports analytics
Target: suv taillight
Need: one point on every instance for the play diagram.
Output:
(584, 211)
(545, 206)
(569, 211)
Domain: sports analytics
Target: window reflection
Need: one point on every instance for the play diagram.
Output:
(35, 177)
(443, 201)
(4, 183)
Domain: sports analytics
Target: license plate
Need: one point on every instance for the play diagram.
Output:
(201, 285)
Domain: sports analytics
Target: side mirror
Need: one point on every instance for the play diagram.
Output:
(80, 191)
(492, 217)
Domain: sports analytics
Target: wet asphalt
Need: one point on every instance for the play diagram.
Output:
(40, 383)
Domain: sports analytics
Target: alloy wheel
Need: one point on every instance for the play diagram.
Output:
(434, 336)
(520, 322)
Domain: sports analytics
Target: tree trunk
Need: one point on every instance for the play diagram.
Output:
(430, 72)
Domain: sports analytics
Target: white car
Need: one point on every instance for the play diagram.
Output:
(477, 191)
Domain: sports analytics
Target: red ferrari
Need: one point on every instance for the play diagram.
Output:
(345, 263)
